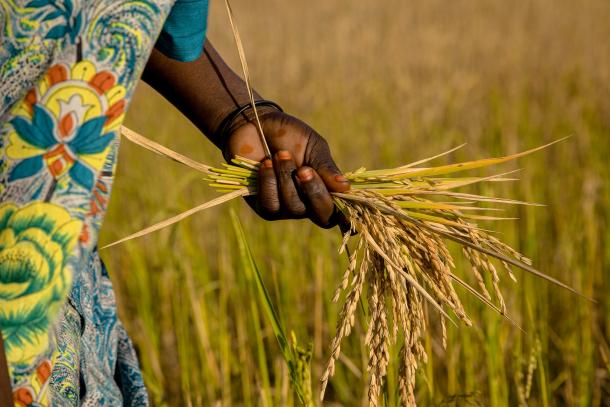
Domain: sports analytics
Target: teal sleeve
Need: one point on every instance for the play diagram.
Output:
(184, 31)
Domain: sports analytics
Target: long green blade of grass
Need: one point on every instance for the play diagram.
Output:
(296, 359)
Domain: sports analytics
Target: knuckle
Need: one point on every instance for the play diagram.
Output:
(269, 205)
(319, 143)
(267, 180)
(285, 172)
(327, 163)
(316, 190)
(265, 172)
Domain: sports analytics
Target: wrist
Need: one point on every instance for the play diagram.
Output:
(240, 116)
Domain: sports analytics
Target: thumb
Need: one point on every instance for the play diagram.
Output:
(321, 160)
(334, 180)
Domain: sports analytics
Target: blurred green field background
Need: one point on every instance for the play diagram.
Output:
(386, 83)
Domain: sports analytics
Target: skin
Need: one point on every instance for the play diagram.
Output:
(298, 179)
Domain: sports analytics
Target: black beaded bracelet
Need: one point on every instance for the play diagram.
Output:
(226, 124)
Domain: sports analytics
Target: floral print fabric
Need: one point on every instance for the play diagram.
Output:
(67, 71)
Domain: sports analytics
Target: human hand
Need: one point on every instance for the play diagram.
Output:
(297, 182)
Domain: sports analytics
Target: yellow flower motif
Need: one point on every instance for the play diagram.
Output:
(36, 241)
(72, 96)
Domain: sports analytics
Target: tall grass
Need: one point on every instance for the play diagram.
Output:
(297, 359)
(386, 83)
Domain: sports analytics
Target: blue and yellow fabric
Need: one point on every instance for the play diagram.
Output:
(68, 69)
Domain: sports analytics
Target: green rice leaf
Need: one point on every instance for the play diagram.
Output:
(296, 358)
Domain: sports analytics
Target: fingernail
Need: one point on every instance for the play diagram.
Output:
(284, 155)
(267, 164)
(305, 175)
(340, 178)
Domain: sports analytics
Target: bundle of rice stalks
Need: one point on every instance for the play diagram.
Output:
(401, 220)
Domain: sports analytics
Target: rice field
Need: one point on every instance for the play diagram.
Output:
(386, 83)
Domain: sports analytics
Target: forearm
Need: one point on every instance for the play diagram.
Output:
(205, 90)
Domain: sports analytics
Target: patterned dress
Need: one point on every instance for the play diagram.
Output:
(68, 69)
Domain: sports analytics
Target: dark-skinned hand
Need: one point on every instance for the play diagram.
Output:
(297, 181)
